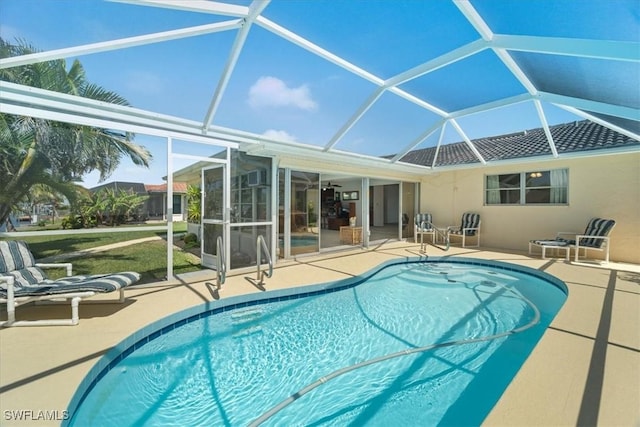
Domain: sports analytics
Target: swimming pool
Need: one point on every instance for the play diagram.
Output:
(414, 342)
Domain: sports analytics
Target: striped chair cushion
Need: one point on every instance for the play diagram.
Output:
(14, 255)
(597, 227)
(29, 276)
(100, 283)
(423, 217)
(469, 220)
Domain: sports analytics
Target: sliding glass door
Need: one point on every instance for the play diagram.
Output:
(304, 216)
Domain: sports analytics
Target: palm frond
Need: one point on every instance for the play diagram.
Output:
(99, 93)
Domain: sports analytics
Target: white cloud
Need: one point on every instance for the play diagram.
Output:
(272, 92)
(279, 135)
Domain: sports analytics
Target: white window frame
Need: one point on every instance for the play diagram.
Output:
(523, 188)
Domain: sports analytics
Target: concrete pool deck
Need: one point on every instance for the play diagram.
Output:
(584, 371)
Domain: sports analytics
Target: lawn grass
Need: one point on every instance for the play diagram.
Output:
(148, 258)
(46, 246)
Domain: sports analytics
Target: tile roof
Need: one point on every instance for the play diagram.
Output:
(568, 138)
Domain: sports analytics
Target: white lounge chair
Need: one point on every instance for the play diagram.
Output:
(22, 280)
(556, 245)
(469, 227)
(595, 237)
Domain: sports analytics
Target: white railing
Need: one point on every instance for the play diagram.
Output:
(261, 245)
(221, 263)
(444, 234)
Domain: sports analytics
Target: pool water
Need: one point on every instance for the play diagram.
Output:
(232, 367)
(298, 241)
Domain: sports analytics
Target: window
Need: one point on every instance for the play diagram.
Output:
(527, 188)
(250, 188)
(177, 204)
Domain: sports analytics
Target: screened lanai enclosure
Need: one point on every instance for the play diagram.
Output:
(300, 120)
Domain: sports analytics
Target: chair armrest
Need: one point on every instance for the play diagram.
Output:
(581, 236)
(10, 284)
(467, 231)
(66, 265)
(8, 279)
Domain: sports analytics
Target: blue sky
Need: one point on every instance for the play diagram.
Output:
(281, 90)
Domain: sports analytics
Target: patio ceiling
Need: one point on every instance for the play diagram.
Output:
(362, 79)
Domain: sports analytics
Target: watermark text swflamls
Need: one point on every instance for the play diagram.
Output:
(35, 415)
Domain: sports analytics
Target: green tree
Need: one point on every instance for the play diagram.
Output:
(53, 154)
(121, 205)
(43, 195)
(107, 206)
(92, 208)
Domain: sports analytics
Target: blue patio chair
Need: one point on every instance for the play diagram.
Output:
(22, 280)
(469, 227)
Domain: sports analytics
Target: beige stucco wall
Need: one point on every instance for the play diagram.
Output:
(604, 186)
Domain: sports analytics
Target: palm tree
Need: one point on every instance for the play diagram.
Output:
(43, 195)
(56, 155)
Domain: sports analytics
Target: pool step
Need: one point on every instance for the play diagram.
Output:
(246, 322)
(248, 315)
(246, 332)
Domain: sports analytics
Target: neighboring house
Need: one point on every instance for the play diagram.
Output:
(157, 202)
(155, 207)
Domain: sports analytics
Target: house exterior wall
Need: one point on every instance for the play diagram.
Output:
(155, 206)
(603, 186)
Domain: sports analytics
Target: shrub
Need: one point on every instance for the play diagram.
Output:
(72, 222)
(190, 238)
(77, 221)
